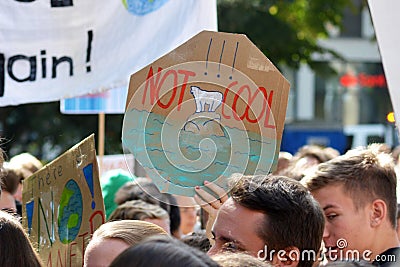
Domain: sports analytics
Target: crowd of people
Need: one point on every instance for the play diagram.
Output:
(318, 208)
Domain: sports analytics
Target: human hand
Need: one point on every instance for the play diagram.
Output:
(210, 203)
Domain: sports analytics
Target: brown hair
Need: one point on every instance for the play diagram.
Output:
(15, 247)
(366, 174)
(140, 188)
(297, 169)
(293, 218)
(11, 180)
(144, 189)
(322, 154)
(138, 210)
(197, 239)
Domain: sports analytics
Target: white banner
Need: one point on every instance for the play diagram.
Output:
(385, 16)
(55, 49)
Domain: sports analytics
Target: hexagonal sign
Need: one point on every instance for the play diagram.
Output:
(213, 107)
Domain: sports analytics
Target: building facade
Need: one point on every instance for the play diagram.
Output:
(349, 108)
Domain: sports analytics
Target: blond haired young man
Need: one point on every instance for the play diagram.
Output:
(357, 192)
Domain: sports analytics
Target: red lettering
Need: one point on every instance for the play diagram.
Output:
(59, 259)
(49, 260)
(375, 80)
(154, 83)
(266, 104)
(71, 254)
(226, 97)
(266, 122)
(372, 80)
(249, 104)
(364, 80)
(187, 74)
(251, 111)
(159, 103)
(239, 118)
(96, 213)
(153, 86)
(381, 81)
(264, 91)
(348, 80)
(83, 243)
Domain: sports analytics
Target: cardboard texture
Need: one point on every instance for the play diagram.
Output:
(63, 205)
(212, 107)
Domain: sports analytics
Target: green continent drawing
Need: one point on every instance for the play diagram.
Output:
(70, 212)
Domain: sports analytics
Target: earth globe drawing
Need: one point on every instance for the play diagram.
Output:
(143, 7)
(70, 212)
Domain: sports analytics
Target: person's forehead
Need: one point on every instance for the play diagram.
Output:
(103, 243)
(101, 252)
(234, 219)
(333, 195)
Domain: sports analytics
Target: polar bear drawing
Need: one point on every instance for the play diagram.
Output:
(202, 98)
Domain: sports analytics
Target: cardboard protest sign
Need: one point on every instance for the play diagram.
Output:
(63, 205)
(212, 107)
(386, 21)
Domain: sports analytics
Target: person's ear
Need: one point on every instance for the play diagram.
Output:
(288, 257)
(378, 212)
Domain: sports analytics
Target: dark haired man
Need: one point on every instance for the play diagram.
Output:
(272, 217)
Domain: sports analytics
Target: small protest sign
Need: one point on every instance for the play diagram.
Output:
(212, 107)
(63, 205)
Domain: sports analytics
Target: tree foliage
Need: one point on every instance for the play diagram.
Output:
(43, 131)
(285, 30)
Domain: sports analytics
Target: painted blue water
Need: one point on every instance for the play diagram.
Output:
(187, 159)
